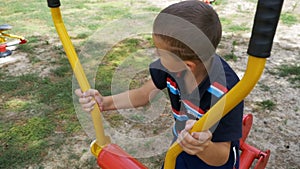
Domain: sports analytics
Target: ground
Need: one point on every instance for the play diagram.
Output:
(274, 102)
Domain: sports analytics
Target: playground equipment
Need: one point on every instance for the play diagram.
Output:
(110, 156)
(250, 153)
(4, 44)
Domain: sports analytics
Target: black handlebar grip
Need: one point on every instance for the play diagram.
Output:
(53, 3)
(264, 27)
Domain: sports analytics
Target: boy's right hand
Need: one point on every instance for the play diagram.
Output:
(88, 99)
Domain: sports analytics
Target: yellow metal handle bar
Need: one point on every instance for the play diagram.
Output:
(101, 139)
(12, 36)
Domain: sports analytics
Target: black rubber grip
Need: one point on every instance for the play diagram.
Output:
(53, 3)
(264, 27)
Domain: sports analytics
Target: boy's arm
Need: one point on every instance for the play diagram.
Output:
(216, 153)
(131, 98)
(200, 144)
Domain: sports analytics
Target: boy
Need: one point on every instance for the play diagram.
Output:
(186, 35)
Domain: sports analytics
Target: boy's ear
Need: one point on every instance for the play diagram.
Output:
(190, 64)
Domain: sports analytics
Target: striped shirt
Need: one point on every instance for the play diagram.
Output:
(193, 105)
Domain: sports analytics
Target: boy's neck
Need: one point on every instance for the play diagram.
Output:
(195, 77)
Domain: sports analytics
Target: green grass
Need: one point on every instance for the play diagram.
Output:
(238, 28)
(117, 56)
(231, 55)
(220, 2)
(266, 105)
(80, 17)
(152, 9)
(264, 87)
(19, 15)
(24, 142)
(116, 120)
(289, 18)
(33, 108)
(39, 105)
(292, 72)
(28, 47)
(229, 26)
(225, 21)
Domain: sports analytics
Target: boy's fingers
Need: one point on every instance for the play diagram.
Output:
(91, 92)
(189, 124)
(88, 106)
(185, 138)
(85, 100)
(88, 109)
(188, 143)
(202, 136)
(78, 92)
(182, 135)
(98, 98)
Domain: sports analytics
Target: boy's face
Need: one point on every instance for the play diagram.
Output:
(169, 60)
(195, 73)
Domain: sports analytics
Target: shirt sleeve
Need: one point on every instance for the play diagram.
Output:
(158, 74)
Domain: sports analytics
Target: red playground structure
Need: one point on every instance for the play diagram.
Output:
(249, 153)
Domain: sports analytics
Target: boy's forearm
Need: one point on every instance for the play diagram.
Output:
(119, 101)
(108, 103)
(132, 98)
(216, 154)
(129, 99)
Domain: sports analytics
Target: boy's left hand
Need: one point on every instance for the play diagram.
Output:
(196, 142)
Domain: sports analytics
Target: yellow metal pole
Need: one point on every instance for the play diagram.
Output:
(101, 139)
(253, 72)
(12, 36)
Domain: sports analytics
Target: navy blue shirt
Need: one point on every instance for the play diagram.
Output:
(193, 105)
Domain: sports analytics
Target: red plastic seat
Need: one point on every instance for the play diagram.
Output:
(251, 156)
